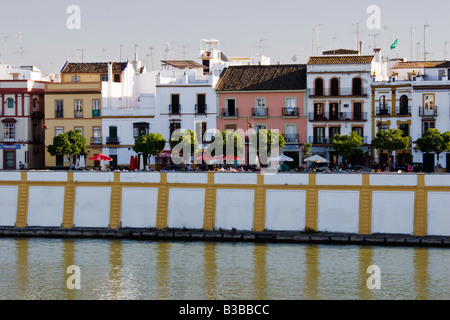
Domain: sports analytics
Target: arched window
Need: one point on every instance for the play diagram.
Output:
(318, 87)
(404, 105)
(357, 86)
(382, 108)
(334, 87)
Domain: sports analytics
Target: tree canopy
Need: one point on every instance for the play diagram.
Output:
(149, 144)
(433, 141)
(183, 143)
(69, 144)
(347, 146)
(224, 137)
(390, 140)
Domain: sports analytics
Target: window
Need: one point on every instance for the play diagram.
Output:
(318, 111)
(75, 79)
(428, 125)
(231, 110)
(174, 104)
(78, 108)
(201, 103)
(10, 103)
(231, 127)
(359, 131)
(319, 135)
(334, 111)
(103, 77)
(97, 138)
(428, 101)
(291, 133)
(174, 126)
(9, 131)
(334, 87)
(383, 127)
(383, 108)
(334, 131)
(140, 129)
(96, 108)
(117, 78)
(200, 130)
(357, 86)
(260, 126)
(58, 131)
(318, 87)
(59, 110)
(405, 128)
(260, 102)
(79, 128)
(404, 105)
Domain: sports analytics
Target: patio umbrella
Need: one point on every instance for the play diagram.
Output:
(100, 157)
(317, 159)
(141, 162)
(281, 157)
(205, 157)
(132, 162)
(82, 162)
(229, 157)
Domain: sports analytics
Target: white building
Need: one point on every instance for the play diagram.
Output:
(22, 117)
(128, 111)
(339, 98)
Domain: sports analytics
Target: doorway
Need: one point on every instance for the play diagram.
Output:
(9, 160)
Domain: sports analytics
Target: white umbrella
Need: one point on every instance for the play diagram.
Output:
(141, 162)
(316, 158)
(281, 157)
(82, 162)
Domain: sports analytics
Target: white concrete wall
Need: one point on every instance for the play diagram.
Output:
(285, 210)
(187, 177)
(45, 206)
(338, 211)
(393, 212)
(140, 177)
(234, 209)
(8, 200)
(438, 215)
(186, 208)
(92, 206)
(339, 180)
(235, 178)
(139, 207)
(287, 179)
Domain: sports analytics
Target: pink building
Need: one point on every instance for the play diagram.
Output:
(265, 97)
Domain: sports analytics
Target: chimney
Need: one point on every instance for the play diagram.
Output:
(361, 48)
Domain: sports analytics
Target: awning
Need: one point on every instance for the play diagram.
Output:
(9, 120)
(165, 154)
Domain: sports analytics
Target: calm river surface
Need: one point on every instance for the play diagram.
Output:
(36, 268)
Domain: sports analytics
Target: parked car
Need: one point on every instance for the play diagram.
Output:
(172, 168)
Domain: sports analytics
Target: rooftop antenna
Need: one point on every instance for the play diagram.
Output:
(374, 39)
(20, 48)
(418, 45)
(135, 52)
(425, 53)
(260, 45)
(294, 58)
(5, 37)
(412, 29)
(357, 34)
(334, 42)
(445, 50)
(151, 56)
(82, 54)
(317, 29)
(167, 51)
(184, 50)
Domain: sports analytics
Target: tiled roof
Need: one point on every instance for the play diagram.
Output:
(340, 52)
(421, 64)
(267, 77)
(183, 64)
(341, 59)
(93, 67)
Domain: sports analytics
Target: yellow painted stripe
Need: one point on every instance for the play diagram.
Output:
(420, 207)
(69, 202)
(22, 202)
(163, 203)
(365, 206)
(311, 213)
(210, 204)
(116, 202)
(259, 210)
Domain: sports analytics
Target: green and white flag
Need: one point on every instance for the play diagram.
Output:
(394, 45)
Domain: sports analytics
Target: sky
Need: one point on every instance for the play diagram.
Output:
(287, 31)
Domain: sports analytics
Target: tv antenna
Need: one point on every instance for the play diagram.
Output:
(357, 34)
(184, 50)
(445, 50)
(82, 54)
(151, 56)
(5, 37)
(317, 30)
(20, 48)
(425, 53)
(374, 39)
(167, 50)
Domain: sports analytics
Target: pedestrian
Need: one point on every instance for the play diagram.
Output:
(21, 166)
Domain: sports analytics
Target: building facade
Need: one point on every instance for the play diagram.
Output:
(265, 97)
(339, 98)
(22, 118)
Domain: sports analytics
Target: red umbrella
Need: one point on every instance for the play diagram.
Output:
(100, 157)
(205, 157)
(229, 157)
(132, 163)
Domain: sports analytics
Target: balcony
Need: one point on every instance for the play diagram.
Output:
(291, 137)
(383, 110)
(96, 113)
(97, 141)
(319, 140)
(78, 113)
(259, 112)
(174, 109)
(201, 109)
(59, 113)
(428, 112)
(338, 116)
(290, 112)
(229, 113)
(341, 92)
(112, 140)
(403, 110)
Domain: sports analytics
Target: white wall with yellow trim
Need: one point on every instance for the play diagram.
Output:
(343, 203)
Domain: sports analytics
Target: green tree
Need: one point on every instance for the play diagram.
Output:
(69, 144)
(347, 146)
(433, 141)
(150, 144)
(183, 143)
(390, 140)
(307, 150)
(265, 140)
(227, 137)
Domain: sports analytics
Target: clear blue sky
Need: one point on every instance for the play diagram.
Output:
(281, 29)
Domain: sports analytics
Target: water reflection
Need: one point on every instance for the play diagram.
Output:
(126, 269)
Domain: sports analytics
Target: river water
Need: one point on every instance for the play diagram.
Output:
(37, 268)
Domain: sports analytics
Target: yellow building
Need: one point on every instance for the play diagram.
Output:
(75, 103)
